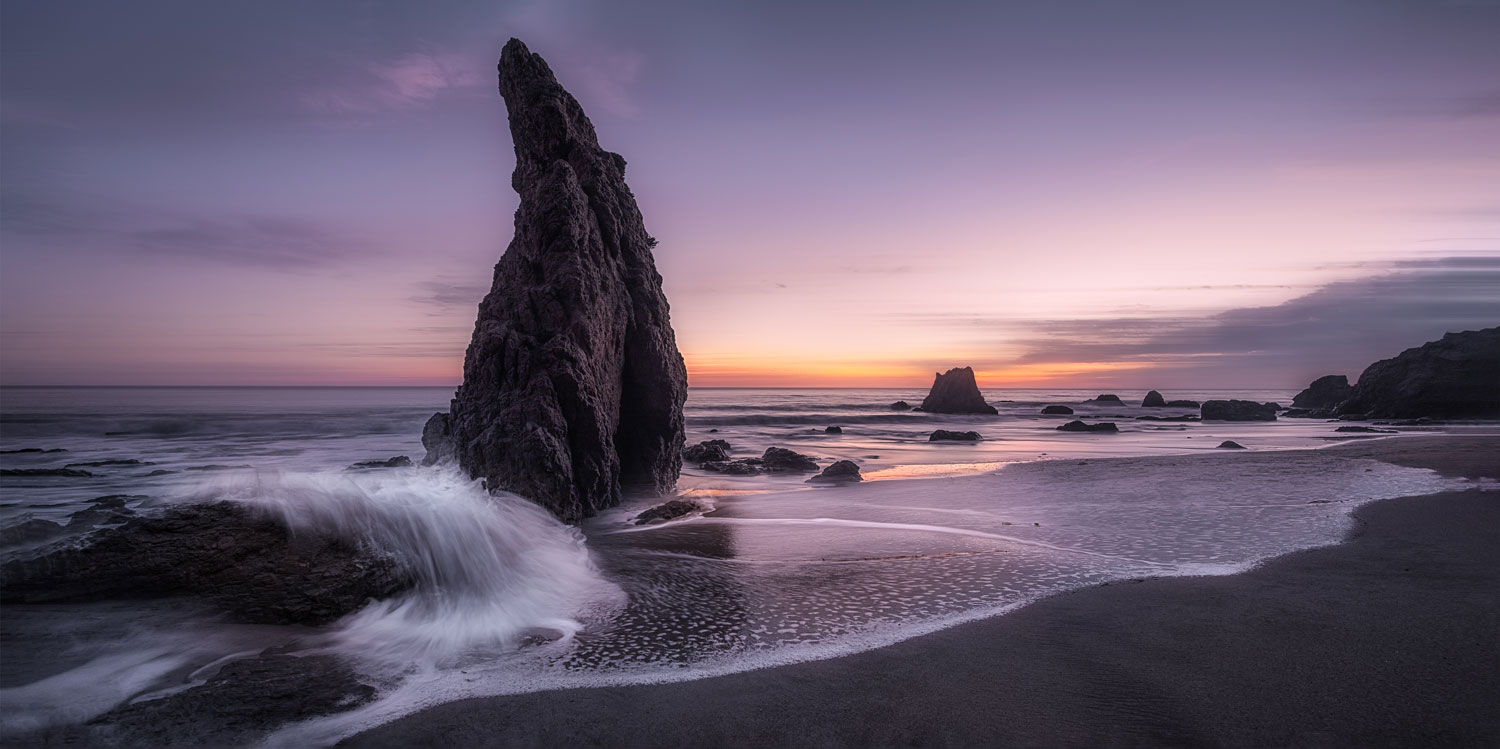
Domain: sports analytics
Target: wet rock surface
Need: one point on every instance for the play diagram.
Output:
(1183, 404)
(1238, 410)
(1109, 398)
(242, 561)
(234, 707)
(1153, 399)
(841, 472)
(1457, 376)
(573, 385)
(667, 511)
(956, 392)
(1079, 426)
(400, 461)
(1057, 410)
(900, 406)
(773, 460)
(946, 435)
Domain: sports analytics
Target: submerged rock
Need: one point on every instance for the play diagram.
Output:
(1057, 410)
(1079, 426)
(1457, 376)
(1237, 410)
(400, 461)
(25, 450)
(27, 530)
(841, 472)
(1305, 413)
(742, 467)
(900, 406)
(1230, 445)
(956, 392)
(1324, 392)
(668, 511)
(1153, 399)
(241, 560)
(71, 473)
(707, 450)
(1167, 418)
(944, 435)
(1365, 430)
(573, 385)
(1109, 398)
(104, 463)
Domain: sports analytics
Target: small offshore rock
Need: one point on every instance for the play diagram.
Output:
(843, 471)
(706, 451)
(956, 392)
(1108, 398)
(1079, 426)
(778, 459)
(834, 430)
(1153, 399)
(1365, 430)
(36, 450)
(1183, 404)
(944, 435)
(900, 406)
(745, 467)
(1238, 410)
(1057, 410)
(668, 511)
(400, 461)
(1230, 445)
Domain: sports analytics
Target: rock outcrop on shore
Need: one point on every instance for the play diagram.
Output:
(1457, 376)
(1324, 392)
(1238, 410)
(1153, 399)
(243, 561)
(956, 392)
(573, 385)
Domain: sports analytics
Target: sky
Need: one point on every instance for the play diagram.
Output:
(1058, 193)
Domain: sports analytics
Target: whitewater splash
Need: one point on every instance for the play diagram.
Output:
(490, 569)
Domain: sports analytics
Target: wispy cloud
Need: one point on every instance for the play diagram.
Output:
(272, 242)
(412, 81)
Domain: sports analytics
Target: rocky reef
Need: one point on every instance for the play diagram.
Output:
(946, 435)
(1079, 426)
(1457, 376)
(956, 392)
(573, 384)
(243, 561)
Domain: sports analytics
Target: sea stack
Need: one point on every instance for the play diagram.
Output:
(956, 392)
(573, 385)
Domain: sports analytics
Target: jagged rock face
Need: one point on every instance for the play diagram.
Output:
(573, 385)
(956, 392)
(1324, 392)
(1153, 399)
(247, 563)
(1457, 376)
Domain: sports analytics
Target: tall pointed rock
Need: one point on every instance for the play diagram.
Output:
(573, 385)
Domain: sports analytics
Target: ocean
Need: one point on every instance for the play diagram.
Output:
(773, 571)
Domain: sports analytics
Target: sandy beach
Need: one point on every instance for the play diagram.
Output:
(1390, 638)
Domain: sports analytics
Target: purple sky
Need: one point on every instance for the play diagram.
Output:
(1144, 194)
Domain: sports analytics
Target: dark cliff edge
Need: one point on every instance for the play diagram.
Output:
(573, 384)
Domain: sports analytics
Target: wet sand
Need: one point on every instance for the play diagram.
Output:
(1391, 638)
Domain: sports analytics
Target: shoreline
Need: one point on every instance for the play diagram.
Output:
(1100, 664)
